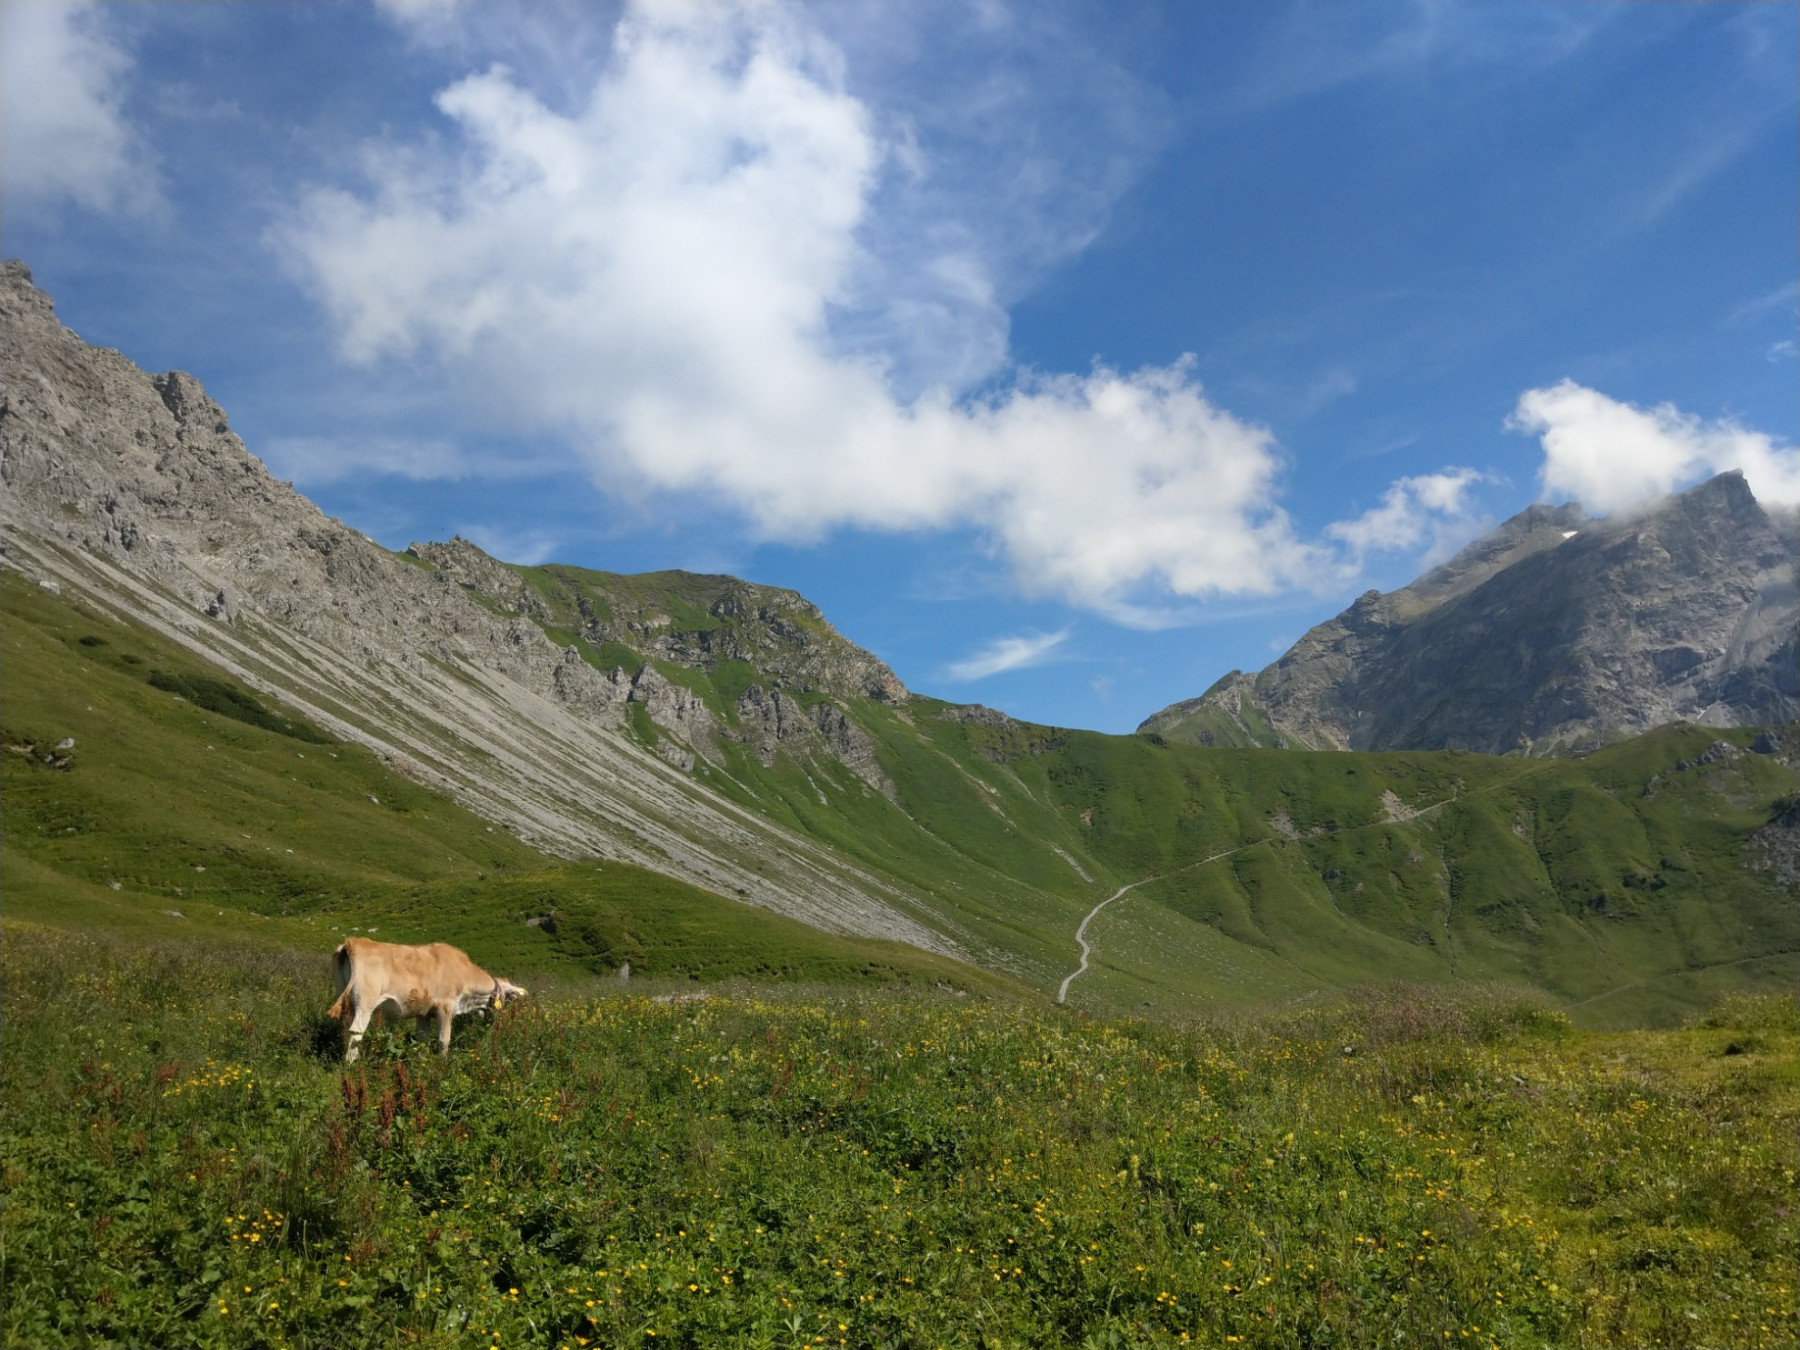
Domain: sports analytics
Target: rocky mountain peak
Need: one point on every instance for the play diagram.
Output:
(1554, 632)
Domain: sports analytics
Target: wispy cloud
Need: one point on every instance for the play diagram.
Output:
(526, 547)
(318, 460)
(1410, 511)
(1007, 653)
(1330, 387)
(1710, 154)
(1323, 48)
(1783, 297)
(64, 135)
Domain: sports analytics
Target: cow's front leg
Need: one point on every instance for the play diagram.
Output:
(446, 1013)
(359, 1023)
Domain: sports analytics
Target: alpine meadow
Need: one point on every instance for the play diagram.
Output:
(634, 436)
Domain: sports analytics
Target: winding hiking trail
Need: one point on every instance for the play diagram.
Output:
(1062, 993)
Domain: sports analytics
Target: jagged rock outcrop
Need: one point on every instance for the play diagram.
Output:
(1553, 633)
(678, 710)
(468, 566)
(853, 746)
(771, 722)
(132, 491)
(777, 631)
(599, 696)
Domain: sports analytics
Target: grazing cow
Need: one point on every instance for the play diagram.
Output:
(413, 981)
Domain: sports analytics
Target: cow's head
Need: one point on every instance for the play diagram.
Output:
(505, 991)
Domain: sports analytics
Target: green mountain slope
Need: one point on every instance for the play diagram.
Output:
(188, 805)
(1619, 879)
(1620, 883)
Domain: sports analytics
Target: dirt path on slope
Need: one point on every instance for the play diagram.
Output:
(1062, 993)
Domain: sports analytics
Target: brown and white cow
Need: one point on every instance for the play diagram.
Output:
(414, 982)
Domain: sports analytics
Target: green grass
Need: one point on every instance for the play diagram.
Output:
(186, 1162)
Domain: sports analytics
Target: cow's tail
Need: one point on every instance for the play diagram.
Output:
(341, 963)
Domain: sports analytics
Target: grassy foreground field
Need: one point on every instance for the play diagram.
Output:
(187, 1162)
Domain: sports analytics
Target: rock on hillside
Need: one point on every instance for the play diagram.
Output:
(132, 491)
(1553, 633)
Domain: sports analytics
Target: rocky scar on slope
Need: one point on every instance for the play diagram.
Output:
(1554, 633)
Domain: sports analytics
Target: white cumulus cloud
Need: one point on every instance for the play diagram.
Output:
(683, 274)
(1007, 653)
(64, 136)
(1614, 456)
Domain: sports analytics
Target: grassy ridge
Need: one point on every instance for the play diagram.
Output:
(1622, 871)
(186, 1163)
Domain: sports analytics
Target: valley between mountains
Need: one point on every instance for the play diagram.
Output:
(224, 709)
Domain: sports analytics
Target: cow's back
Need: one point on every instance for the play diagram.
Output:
(436, 970)
(454, 965)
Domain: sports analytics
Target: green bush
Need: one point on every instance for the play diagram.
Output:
(229, 700)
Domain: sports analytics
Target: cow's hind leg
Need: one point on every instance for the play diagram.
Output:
(359, 1023)
(446, 1014)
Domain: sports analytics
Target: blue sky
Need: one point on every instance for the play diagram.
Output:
(1067, 356)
